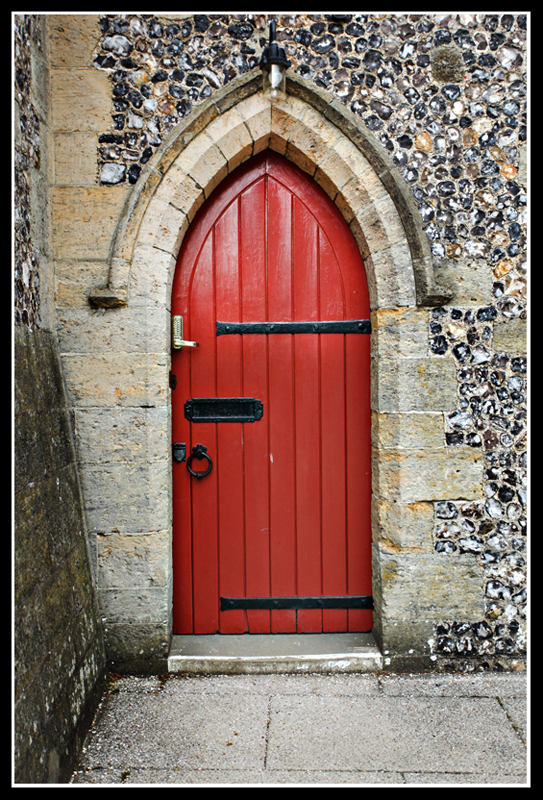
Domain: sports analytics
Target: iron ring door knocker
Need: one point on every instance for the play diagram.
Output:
(199, 451)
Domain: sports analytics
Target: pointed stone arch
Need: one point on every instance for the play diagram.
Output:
(321, 137)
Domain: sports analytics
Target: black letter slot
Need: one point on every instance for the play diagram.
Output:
(223, 409)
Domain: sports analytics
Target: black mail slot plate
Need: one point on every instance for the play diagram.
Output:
(339, 326)
(223, 409)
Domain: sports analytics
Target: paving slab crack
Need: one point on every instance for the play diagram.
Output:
(268, 720)
(510, 719)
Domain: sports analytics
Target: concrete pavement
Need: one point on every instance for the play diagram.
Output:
(370, 728)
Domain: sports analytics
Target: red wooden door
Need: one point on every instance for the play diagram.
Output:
(285, 510)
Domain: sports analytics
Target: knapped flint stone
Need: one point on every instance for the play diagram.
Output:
(105, 62)
(324, 44)
(361, 45)
(372, 60)
(510, 58)
(382, 109)
(463, 39)
(350, 63)
(241, 30)
(411, 95)
(486, 313)
(112, 173)
(373, 122)
(445, 547)
(446, 510)
(303, 37)
(183, 108)
(437, 104)
(451, 91)
(119, 45)
(175, 47)
(133, 173)
(155, 29)
(201, 22)
(405, 141)
(120, 89)
(386, 78)
(172, 30)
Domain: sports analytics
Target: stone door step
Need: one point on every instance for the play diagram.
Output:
(291, 653)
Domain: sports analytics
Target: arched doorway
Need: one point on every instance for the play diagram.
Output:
(342, 157)
(276, 537)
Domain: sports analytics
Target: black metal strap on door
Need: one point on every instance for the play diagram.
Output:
(349, 601)
(339, 326)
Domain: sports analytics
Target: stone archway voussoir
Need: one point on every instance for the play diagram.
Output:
(230, 132)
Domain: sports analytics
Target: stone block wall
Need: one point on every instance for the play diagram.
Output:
(59, 650)
(58, 642)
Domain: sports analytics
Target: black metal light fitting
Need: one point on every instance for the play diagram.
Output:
(274, 63)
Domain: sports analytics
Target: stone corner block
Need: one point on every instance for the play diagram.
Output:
(145, 491)
(107, 380)
(468, 282)
(412, 587)
(135, 563)
(403, 526)
(413, 384)
(413, 476)
(81, 100)
(152, 275)
(510, 336)
(407, 431)
(400, 332)
(73, 39)
(84, 220)
(138, 648)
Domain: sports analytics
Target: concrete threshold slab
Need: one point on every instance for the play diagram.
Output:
(247, 654)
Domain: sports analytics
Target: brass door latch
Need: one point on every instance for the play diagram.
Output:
(177, 334)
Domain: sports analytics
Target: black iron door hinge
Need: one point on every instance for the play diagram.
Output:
(349, 601)
(340, 326)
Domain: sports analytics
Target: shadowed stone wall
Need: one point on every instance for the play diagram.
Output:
(59, 652)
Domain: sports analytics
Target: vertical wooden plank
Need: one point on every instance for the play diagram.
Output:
(358, 475)
(255, 384)
(181, 506)
(281, 411)
(181, 503)
(307, 417)
(359, 439)
(204, 492)
(229, 434)
(182, 555)
(333, 436)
